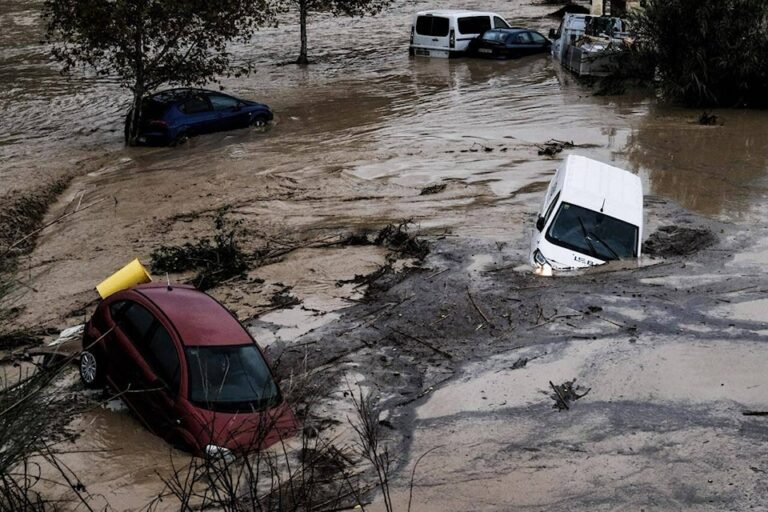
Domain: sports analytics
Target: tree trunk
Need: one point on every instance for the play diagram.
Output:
(139, 89)
(134, 119)
(303, 8)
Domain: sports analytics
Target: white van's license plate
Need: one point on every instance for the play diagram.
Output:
(485, 50)
(421, 51)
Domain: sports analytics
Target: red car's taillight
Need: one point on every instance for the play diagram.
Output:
(158, 124)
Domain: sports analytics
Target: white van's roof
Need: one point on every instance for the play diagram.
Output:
(455, 12)
(598, 186)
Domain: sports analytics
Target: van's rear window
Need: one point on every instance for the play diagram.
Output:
(434, 26)
(474, 24)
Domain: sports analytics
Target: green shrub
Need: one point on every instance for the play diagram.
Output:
(707, 52)
(214, 260)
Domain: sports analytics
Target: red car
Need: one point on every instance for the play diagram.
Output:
(187, 368)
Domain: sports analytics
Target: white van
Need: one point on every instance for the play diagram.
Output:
(592, 213)
(448, 33)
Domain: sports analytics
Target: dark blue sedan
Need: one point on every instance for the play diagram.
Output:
(508, 43)
(170, 117)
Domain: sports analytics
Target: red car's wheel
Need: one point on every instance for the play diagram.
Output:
(91, 369)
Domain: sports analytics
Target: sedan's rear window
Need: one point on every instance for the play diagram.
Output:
(521, 38)
(195, 105)
(233, 378)
(474, 24)
(222, 102)
(495, 36)
(434, 26)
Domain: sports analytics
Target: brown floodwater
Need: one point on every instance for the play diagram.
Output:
(357, 135)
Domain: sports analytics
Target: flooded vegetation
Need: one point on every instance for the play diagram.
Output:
(432, 326)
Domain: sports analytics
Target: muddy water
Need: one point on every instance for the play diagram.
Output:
(357, 136)
(399, 117)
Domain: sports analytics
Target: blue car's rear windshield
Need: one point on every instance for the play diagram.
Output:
(232, 378)
(152, 109)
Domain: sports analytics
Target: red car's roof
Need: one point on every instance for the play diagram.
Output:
(198, 318)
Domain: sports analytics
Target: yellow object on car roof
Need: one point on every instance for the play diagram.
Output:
(127, 277)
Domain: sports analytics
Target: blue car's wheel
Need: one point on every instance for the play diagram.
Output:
(180, 139)
(259, 121)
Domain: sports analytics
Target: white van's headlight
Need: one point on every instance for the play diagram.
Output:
(219, 452)
(543, 268)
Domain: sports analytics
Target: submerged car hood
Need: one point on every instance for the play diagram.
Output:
(246, 431)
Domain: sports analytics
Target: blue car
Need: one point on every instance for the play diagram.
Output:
(508, 43)
(170, 117)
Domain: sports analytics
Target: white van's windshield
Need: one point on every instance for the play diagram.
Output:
(593, 233)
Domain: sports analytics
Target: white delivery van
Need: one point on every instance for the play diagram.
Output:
(448, 33)
(592, 213)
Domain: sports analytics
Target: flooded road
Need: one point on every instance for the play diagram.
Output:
(358, 134)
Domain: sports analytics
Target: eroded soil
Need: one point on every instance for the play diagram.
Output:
(672, 350)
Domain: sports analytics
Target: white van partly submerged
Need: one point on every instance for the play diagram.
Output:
(447, 33)
(592, 213)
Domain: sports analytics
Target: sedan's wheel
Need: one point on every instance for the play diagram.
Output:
(180, 140)
(259, 122)
(91, 372)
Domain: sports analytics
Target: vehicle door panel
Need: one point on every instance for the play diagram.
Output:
(199, 116)
(129, 376)
(540, 43)
(229, 112)
(132, 376)
(164, 365)
(432, 32)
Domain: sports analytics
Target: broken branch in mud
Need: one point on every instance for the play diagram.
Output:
(565, 393)
(425, 343)
(563, 403)
(425, 391)
(552, 319)
(472, 300)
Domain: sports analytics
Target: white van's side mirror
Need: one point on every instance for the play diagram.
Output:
(552, 34)
(540, 223)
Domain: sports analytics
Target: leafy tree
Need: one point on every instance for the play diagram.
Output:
(335, 7)
(707, 52)
(150, 43)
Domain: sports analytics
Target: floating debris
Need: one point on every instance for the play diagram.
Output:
(553, 147)
(707, 119)
(565, 393)
(433, 189)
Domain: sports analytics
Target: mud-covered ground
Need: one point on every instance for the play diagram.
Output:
(459, 348)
